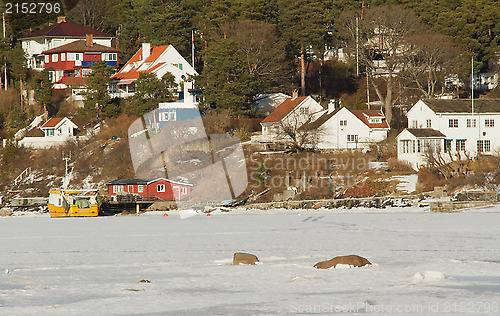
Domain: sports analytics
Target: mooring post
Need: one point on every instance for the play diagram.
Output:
(137, 208)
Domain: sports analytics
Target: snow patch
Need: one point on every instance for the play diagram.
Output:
(428, 276)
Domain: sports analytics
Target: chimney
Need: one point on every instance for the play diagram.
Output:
(89, 40)
(146, 51)
(61, 19)
(333, 105)
(295, 94)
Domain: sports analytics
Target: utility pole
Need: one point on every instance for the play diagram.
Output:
(357, 47)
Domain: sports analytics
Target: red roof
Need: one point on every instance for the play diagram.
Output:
(69, 29)
(133, 73)
(52, 122)
(283, 109)
(80, 46)
(363, 115)
(74, 81)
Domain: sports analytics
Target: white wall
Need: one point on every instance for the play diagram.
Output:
(335, 135)
(421, 112)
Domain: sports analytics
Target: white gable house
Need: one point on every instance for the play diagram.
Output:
(466, 132)
(351, 129)
(415, 144)
(293, 111)
(56, 131)
(158, 60)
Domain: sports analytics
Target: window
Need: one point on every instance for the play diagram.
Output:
(432, 145)
(447, 145)
(460, 144)
(117, 188)
(429, 123)
(471, 122)
(304, 111)
(419, 148)
(453, 123)
(63, 56)
(170, 115)
(352, 138)
(489, 123)
(184, 190)
(55, 58)
(46, 58)
(343, 123)
(109, 57)
(407, 146)
(140, 188)
(50, 132)
(414, 124)
(160, 188)
(483, 146)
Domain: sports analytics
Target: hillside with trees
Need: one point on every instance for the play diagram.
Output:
(243, 48)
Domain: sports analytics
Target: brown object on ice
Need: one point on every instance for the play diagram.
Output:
(317, 205)
(352, 260)
(244, 258)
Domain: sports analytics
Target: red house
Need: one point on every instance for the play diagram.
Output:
(161, 188)
(69, 64)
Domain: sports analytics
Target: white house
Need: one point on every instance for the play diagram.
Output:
(338, 128)
(350, 129)
(158, 60)
(465, 132)
(295, 110)
(56, 131)
(61, 33)
(414, 145)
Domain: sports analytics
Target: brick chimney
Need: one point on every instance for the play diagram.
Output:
(89, 40)
(61, 19)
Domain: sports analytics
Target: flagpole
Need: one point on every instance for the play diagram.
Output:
(192, 47)
(5, 61)
(472, 84)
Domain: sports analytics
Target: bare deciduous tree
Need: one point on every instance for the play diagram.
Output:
(89, 13)
(378, 41)
(299, 131)
(429, 59)
(262, 51)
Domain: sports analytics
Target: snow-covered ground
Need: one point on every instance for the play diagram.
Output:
(424, 263)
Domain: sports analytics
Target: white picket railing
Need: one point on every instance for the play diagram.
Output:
(22, 176)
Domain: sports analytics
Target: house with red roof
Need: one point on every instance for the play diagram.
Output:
(61, 33)
(69, 64)
(340, 128)
(295, 110)
(56, 131)
(350, 129)
(150, 59)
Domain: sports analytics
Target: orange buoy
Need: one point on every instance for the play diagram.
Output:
(165, 214)
(209, 214)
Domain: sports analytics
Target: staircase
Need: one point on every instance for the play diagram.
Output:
(22, 176)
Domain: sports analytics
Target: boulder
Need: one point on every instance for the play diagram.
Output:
(244, 258)
(5, 211)
(351, 260)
